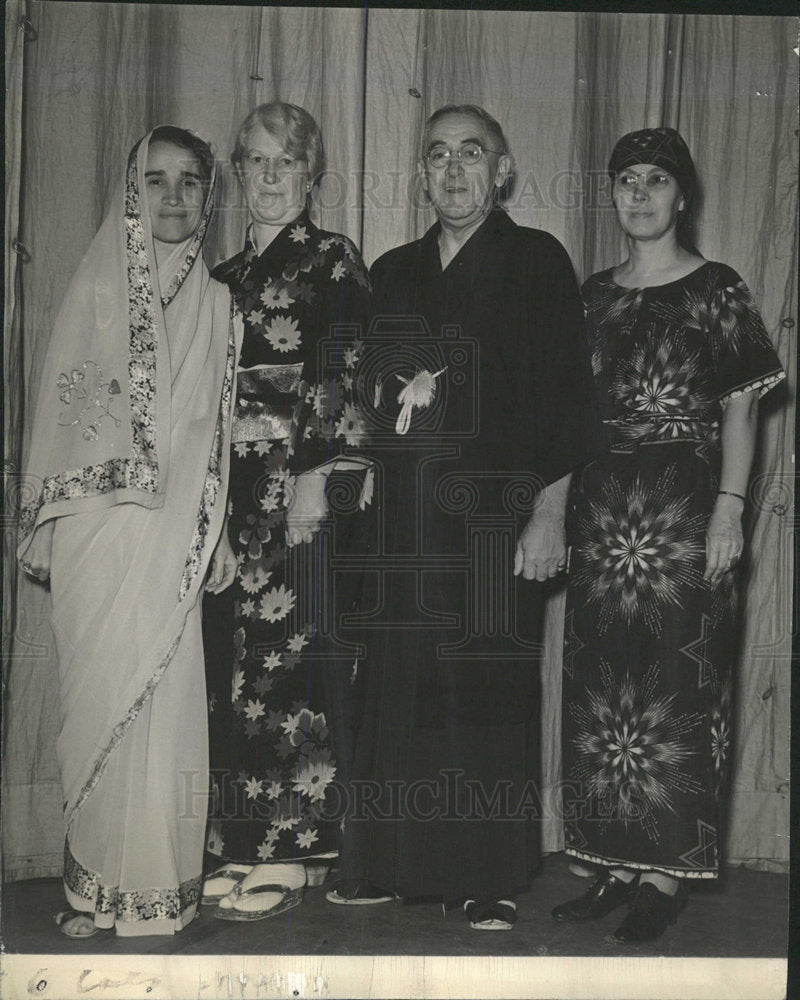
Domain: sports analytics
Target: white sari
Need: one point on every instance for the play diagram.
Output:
(130, 449)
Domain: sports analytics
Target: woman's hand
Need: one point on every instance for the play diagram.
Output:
(724, 539)
(306, 509)
(223, 565)
(37, 557)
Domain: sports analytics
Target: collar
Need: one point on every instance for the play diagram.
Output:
(497, 224)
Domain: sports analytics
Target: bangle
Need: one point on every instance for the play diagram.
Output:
(728, 493)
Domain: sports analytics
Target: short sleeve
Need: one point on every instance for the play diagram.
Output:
(744, 358)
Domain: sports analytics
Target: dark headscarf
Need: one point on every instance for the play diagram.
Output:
(663, 147)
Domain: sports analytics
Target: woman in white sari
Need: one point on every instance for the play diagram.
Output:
(130, 457)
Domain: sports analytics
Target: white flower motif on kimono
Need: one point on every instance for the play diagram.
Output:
(338, 271)
(351, 426)
(287, 817)
(275, 297)
(241, 448)
(277, 603)
(254, 579)
(351, 357)
(290, 724)
(325, 244)
(273, 790)
(269, 503)
(247, 608)
(296, 726)
(283, 334)
(237, 685)
(256, 316)
(252, 787)
(272, 661)
(319, 398)
(299, 234)
(297, 642)
(313, 779)
(262, 448)
(254, 710)
(265, 851)
(306, 839)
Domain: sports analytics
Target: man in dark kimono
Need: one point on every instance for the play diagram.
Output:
(481, 400)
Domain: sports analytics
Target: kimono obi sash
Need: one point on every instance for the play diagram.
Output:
(266, 396)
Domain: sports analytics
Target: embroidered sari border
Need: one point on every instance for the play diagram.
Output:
(130, 906)
(213, 478)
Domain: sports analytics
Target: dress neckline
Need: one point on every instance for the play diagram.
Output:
(664, 284)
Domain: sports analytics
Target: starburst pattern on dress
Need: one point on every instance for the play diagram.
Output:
(641, 547)
(662, 379)
(632, 747)
(721, 312)
(721, 731)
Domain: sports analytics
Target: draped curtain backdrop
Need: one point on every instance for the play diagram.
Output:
(85, 80)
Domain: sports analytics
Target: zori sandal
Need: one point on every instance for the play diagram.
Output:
(289, 899)
(219, 883)
(500, 915)
(65, 916)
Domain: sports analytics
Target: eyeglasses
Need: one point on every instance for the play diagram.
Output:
(468, 153)
(628, 180)
(282, 164)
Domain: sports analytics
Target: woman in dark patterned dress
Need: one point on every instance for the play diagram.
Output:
(680, 357)
(304, 297)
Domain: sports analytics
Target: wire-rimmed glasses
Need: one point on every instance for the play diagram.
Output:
(468, 153)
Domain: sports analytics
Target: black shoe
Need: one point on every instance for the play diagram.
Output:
(603, 895)
(650, 913)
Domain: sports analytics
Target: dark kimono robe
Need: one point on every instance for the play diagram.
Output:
(490, 348)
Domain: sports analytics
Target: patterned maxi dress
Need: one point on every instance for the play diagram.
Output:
(304, 301)
(649, 646)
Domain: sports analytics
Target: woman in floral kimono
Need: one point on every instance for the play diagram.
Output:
(130, 458)
(680, 358)
(304, 297)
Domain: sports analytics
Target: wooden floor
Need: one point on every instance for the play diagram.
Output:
(744, 916)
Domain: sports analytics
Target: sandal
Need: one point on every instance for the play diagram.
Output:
(63, 916)
(289, 899)
(358, 892)
(230, 874)
(500, 915)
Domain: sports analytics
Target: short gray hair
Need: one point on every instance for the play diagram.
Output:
(492, 126)
(292, 126)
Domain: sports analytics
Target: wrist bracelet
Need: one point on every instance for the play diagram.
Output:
(728, 493)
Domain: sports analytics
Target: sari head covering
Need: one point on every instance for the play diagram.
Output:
(102, 429)
(663, 147)
(132, 440)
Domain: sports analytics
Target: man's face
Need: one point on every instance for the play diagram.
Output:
(462, 193)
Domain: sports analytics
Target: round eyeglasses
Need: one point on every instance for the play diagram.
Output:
(281, 164)
(469, 153)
